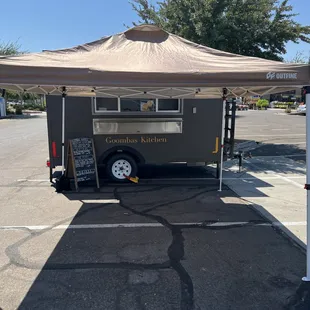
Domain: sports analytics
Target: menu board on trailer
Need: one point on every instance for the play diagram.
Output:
(82, 159)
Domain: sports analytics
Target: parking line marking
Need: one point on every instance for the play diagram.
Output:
(290, 181)
(100, 200)
(290, 143)
(149, 225)
(189, 179)
(33, 180)
(282, 156)
(250, 125)
(281, 129)
(264, 178)
(288, 135)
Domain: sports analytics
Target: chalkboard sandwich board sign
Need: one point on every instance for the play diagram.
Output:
(81, 160)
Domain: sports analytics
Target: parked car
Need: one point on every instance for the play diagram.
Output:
(272, 104)
(242, 107)
(301, 109)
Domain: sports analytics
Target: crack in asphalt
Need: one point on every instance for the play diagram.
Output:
(176, 249)
(12, 251)
(176, 201)
(175, 253)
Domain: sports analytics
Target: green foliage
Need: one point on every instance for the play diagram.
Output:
(10, 110)
(300, 58)
(258, 28)
(262, 103)
(10, 48)
(33, 107)
(284, 105)
(15, 96)
(18, 110)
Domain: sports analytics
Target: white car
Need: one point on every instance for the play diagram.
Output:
(301, 109)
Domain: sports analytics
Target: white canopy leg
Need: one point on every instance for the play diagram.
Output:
(307, 186)
(63, 131)
(222, 138)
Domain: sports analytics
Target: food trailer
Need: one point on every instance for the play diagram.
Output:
(145, 128)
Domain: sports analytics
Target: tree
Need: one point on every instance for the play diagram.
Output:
(300, 58)
(259, 28)
(10, 48)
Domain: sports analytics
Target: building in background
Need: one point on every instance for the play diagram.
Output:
(288, 96)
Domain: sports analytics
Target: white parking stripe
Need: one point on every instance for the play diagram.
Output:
(100, 201)
(287, 135)
(282, 156)
(280, 129)
(290, 181)
(140, 225)
(264, 178)
(32, 180)
(290, 143)
(240, 126)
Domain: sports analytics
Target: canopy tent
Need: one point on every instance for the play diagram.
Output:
(147, 60)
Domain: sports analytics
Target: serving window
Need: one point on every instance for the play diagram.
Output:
(168, 105)
(106, 105)
(138, 105)
(135, 105)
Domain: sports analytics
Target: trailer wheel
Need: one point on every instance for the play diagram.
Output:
(119, 166)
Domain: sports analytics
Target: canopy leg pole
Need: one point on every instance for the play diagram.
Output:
(222, 138)
(63, 131)
(307, 186)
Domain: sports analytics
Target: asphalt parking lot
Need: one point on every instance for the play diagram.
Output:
(273, 179)
(281, 134)
(183, 246)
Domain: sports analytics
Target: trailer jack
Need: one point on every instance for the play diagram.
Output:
(241, 155)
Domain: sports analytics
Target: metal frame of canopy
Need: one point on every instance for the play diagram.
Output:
(307, 186)
(160, 92)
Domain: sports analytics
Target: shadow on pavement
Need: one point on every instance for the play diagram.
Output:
(269, 149)
(22, 117)
(166, 254)
(167, 171)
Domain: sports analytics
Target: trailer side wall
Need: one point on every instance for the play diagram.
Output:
(198, 140)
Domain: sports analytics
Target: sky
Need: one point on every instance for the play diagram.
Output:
(46, 25)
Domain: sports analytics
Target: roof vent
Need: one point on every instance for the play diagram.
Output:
(146, 27)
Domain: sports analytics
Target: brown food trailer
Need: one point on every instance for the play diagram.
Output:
(131, 131)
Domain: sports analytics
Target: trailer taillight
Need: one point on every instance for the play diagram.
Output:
(54, 150)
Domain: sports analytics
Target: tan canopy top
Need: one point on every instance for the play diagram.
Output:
(147, 59)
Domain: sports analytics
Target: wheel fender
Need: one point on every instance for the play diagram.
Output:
(119, 149)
